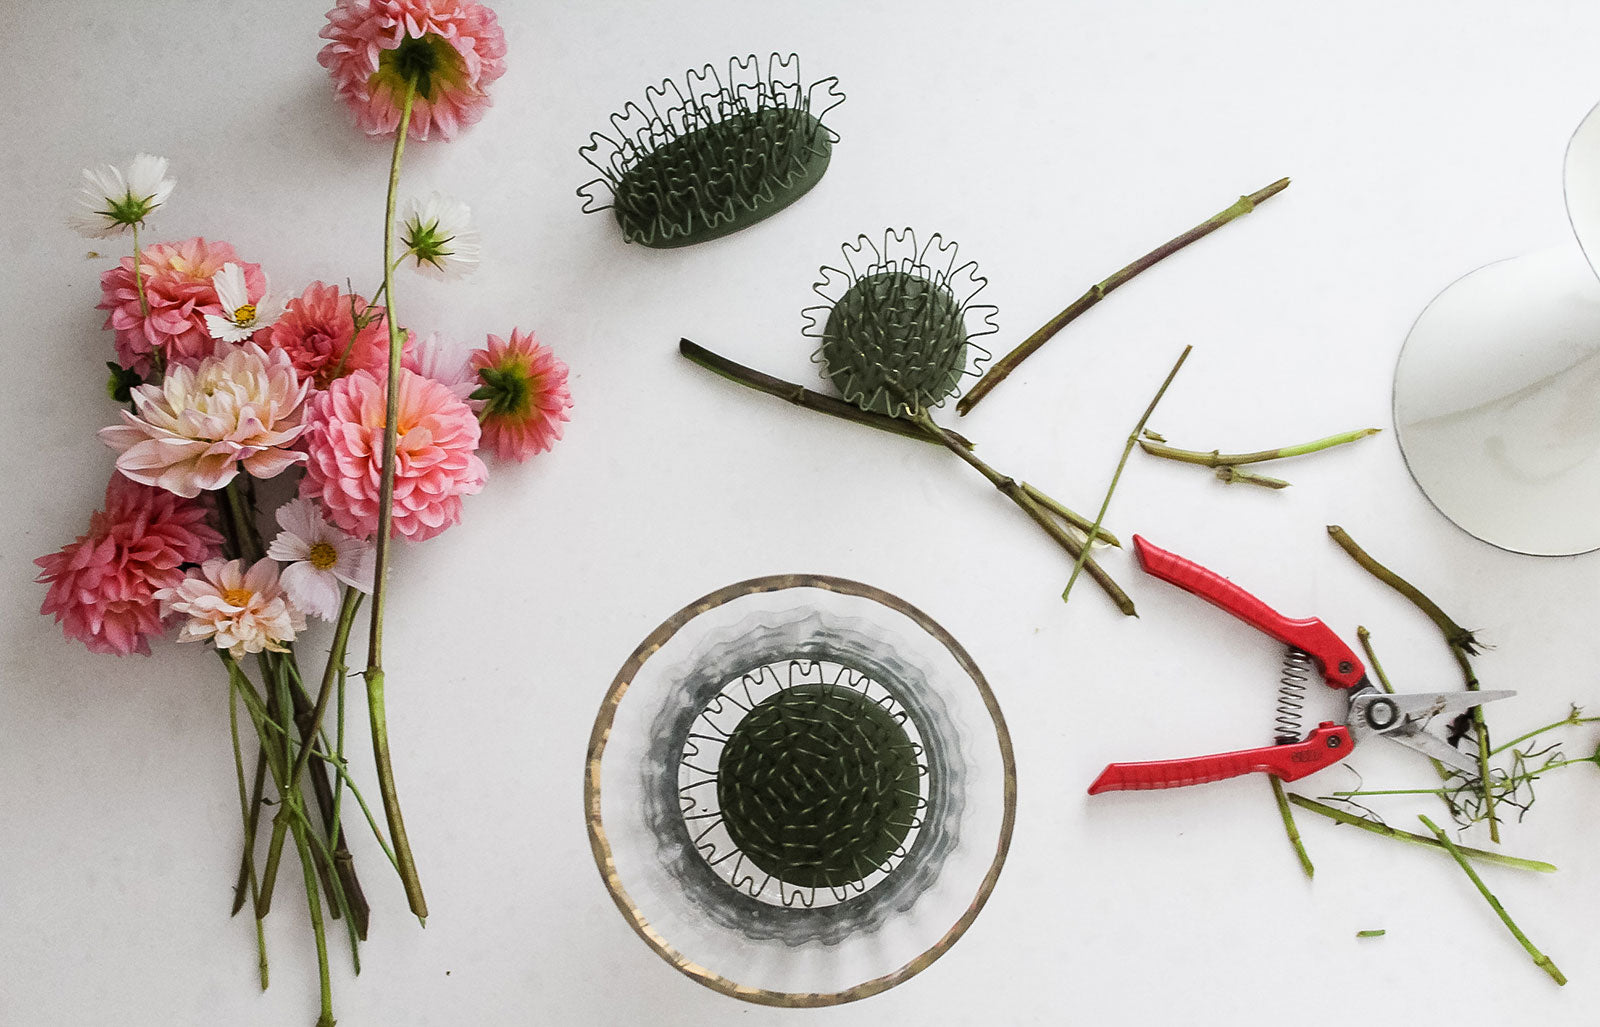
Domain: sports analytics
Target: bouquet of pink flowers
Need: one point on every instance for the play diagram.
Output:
(274, 445)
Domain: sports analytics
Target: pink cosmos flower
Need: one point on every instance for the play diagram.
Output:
(179, 291)
(523, 393)
(318, 332)
(102, 587)
(435, 465)
(454, 49)
(242, 610)
(201, 424)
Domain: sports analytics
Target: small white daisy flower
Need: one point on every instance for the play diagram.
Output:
(320, 558)
(439, 236)
(240, 319)
(111, 201)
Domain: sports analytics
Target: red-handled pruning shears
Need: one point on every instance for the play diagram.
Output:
(1400, 718)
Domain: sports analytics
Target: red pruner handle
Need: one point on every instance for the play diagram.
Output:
(1327, 745)
(1341, 668)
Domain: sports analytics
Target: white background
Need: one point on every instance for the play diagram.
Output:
(1055, 142)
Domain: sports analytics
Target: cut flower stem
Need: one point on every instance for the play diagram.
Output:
(391, 432)
(1003, 367)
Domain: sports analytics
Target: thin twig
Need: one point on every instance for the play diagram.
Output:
(801, 396)
(1289, 827)
(1005, 365)
(1386, 831)
(1077, 520)
(1461, 642)
(1234, 476)
(1133, 439)
(1540, 960)
(1216, 458)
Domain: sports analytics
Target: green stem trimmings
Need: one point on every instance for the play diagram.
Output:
(1345, 817)
(1005, 365)
(1116, 477)
(1540, 960)
(1289, 828)
(1462, 643)
(391, 434)
(1216, 458)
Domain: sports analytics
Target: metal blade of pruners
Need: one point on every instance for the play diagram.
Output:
(1404, 718)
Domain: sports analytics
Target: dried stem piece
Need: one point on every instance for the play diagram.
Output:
(1234, 476)
(1462, 643)
(1540, 960)
(1133, 437)
(1077, 520)
(1005, 365)
(801, 396)
(923, 428)
(1346, 817)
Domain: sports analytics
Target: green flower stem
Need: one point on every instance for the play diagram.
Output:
(1216, 458)
(138, 274)
(1289, 827)
(1570, 719)
(341, 637)
(1133, 437)
(1005, 365)
(1010, 488)
(391, 434)
(1461, 642)
(1540, 960)
(249, 868)
(801, 396)
(252, 820)
(1077, 520)
(318, 932)
(1345, 817)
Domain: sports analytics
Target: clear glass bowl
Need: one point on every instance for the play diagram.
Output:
(687, 890)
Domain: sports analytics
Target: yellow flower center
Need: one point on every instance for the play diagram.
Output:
(237, 596)
(323, 556)
(245, 314)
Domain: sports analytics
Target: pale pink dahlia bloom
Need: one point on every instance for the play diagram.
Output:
(318, 331)
(200, 425)
(242, 610)
(179, 290)
(103, 586)
(445, 361)
(523, 393)
(436, 462)
(454, 49)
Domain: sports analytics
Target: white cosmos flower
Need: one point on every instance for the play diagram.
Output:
(439, 236)
(320, 558)
(113, 201)
(240, 319)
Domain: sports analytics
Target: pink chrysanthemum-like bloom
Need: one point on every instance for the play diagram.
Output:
(179, 292)
(243, 610)
(103, 586)
(318, 332)
(436, 462)
(200, 425)
(523, 394)
(453, 48)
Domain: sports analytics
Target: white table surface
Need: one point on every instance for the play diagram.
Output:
(1055, 142)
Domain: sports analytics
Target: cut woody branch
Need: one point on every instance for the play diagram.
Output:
(1003, 367)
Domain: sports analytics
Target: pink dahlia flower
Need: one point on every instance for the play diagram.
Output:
(103, 586)
(436, 462)
(318, 332)
(243, 610)
(179, 291)
(201, 424)
(453, 49)
(523, 393)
